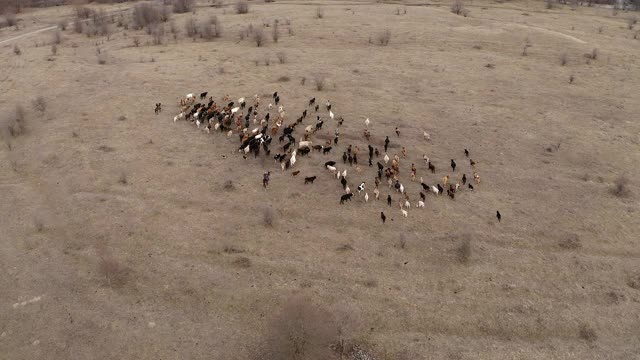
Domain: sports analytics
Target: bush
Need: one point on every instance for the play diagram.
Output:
(258, 36)
(319, 13)
(10, 17)
(302, 330)
(83, 12)
(136, 41)
(38, 224)
(548, 4)
(458, 8)
(123, 178)
(102, 59)
(157, 34)
(631, 21)
(16, 49)
(282, 57)
(183, 6)
(54, 49)
(228, 185)
(241, 7)
(62, 25)
(39, 104)
(320, 81)
(77, 26)
(275, 35)
(621, 187)
(191, 27)
(242, 262)
(384, 38)
(284, 79)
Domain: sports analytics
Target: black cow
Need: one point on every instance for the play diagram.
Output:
(329, 163)
(309, 179)
(345, 197)
(203, 95)
(326, 150)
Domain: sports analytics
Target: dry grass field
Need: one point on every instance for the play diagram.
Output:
(124, 235)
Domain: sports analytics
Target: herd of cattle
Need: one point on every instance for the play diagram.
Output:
(256, 129)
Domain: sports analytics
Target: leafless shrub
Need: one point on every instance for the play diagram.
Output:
(157, 34)
(384, 37)
(16, 50)
(10, 17)
(123, 179)
(102, 59)
(38, 224)
(275, 34)
(634, 282)
(320, 81)
(267, 60)
(571, 79)
(458, 8)
(241, 7)
(39, 104)
(122, 118)
(587, 333)
(232, 249)
(183, 6)
(570, 242)
(228, 185)
(147, 14)
(593, 55)
(268, 216)
(464, 251)
(105, 148)
(242, 262)
(258, 36)
(284, 79)
(74, 134)
(113, 272)
(345, 247)
(191, 27)
(282, 57)
(303, 81)
(600, 29)
(211, 29)
(14, 123)
(563, 58)
(631, 21)
(620, 187)
(77, 26)
(290, 30)
(57, 37)
(370, 283)
(136, 41)
(477, 47)
(402, 242)
(302, 330)
(62, 25)
(83, 12)
(548, 4)
(319, 13)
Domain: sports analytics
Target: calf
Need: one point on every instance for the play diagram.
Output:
(309, 179)
(326, 150)
(158, 108)
(203, 95)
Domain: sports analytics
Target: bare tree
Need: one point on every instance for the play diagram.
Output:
(319, 13)
(282, 57)
(191, 27)
(275, 33)
(384, 37)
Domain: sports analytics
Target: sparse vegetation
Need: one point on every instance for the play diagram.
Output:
(282, 57)
(620, 187)
(241, 7)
